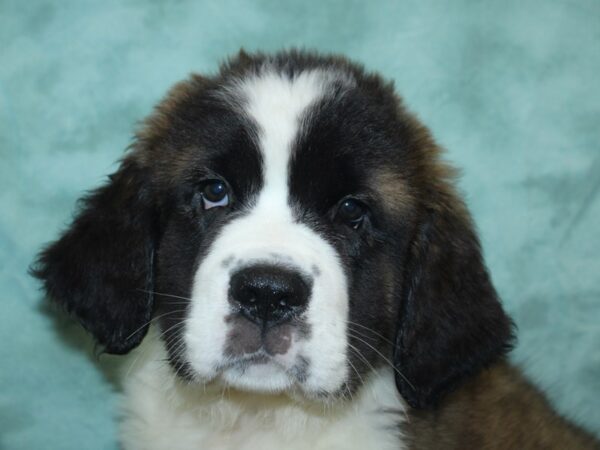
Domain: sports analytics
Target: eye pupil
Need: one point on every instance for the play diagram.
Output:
(215, 191)
(352, 211)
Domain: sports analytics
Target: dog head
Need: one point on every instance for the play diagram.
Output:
(289, 226)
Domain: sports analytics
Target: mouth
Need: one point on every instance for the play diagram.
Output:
(261, 372)
(260, 357)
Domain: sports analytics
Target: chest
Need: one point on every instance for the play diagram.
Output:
(162, 413)
(248, 436)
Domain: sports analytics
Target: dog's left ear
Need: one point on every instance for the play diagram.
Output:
(451, 322)
(100, 270)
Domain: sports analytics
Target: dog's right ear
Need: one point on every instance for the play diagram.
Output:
(100, 270)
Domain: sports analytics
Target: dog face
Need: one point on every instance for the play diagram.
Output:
(290, 227)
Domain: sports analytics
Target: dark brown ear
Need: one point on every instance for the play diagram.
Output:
(100, 270)
(451, 321)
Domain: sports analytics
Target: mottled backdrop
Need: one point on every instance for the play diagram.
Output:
(511, 88)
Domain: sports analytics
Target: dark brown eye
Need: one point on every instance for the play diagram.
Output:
(352, 212)
(214, 194)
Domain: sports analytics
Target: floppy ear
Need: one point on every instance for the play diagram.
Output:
(451, 321)
(100, 270)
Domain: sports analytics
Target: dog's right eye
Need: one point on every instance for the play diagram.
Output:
(352, 212)
(214, 194)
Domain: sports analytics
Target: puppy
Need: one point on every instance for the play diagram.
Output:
(286, 247)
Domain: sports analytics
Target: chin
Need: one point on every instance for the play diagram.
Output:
(264, 377)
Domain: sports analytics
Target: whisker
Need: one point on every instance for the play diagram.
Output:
(359, 354)
(371, 330)
(139, 354)
(144, 351)
(175, 303)
(173, 341)
(366, 336)
(176, 324)
(178, 346)
(386, 360)
(347, 393)
(163, 294)
(357, 374)
(153, 319)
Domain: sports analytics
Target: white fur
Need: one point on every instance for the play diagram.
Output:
(163, 413)
(269, 232)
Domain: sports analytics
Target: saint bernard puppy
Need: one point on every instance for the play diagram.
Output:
(285, 247)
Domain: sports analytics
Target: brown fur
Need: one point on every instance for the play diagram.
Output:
(153, 134)
(393, 189)
(497, 410)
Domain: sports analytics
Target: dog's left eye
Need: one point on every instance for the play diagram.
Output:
(215, 194)
(352, 212)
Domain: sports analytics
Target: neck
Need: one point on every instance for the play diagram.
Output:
(163, 411)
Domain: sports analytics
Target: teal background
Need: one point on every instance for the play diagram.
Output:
(511, 88)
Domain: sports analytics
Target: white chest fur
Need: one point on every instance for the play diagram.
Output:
(163, 413)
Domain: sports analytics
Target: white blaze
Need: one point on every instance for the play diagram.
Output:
(276, 105)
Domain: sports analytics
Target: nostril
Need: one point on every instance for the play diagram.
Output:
(249, 296)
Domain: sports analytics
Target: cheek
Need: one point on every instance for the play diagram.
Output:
(180, 253)
(373, 311)
(206, 327)
(327, 318)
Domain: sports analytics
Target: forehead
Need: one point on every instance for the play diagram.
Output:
(317, 123)
(279, 108)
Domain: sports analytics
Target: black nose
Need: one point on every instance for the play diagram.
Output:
(268, 294)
